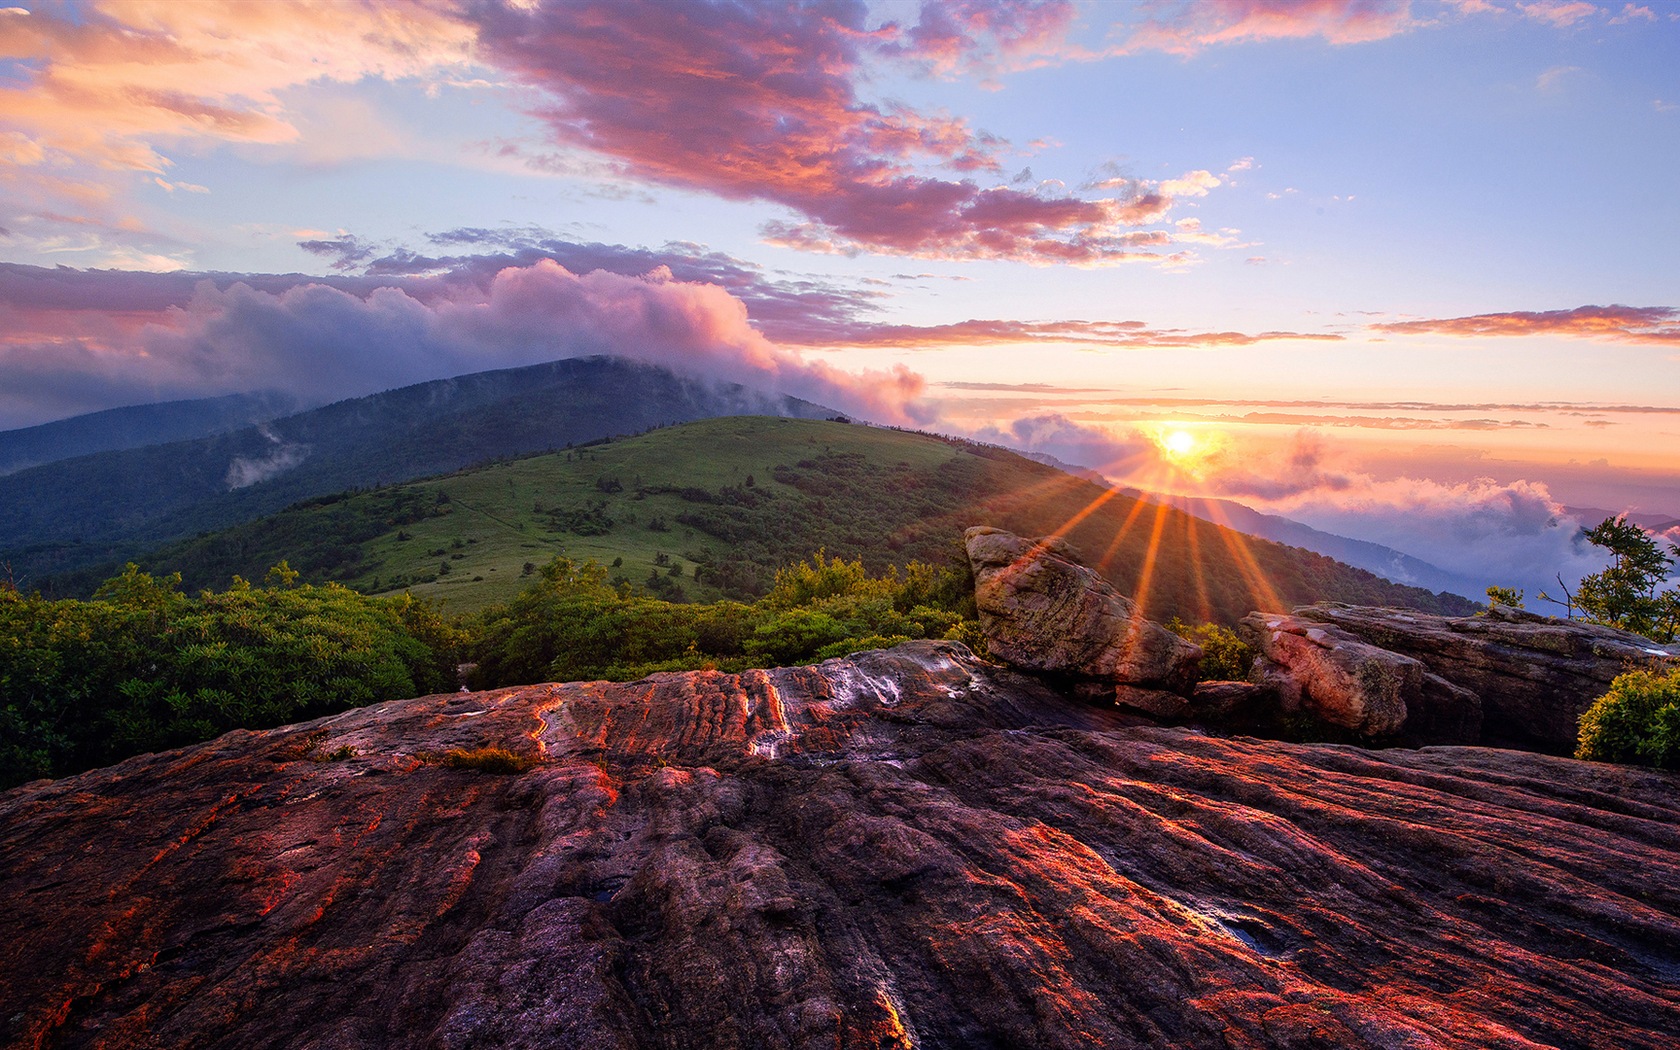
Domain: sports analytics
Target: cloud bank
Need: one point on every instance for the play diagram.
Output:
(319, 342)
(1653, 325)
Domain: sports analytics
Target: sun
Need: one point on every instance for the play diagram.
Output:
(1179, 444)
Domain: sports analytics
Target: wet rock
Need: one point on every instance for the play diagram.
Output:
(1042, 611)
(901, 848)
(1535, 675)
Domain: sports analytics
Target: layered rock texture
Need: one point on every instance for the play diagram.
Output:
(1535, 675)
(908, 848)
(1044, 612)
(1326, 672)
(1507, 677)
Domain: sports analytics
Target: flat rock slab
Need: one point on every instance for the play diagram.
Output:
(905, 848)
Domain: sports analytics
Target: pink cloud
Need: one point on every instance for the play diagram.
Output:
(958, 36)
(104, 94)
(1184, 28)
(1634, 12)
(752, 102)
(1654, 325)
(759, 102)
(1558, 12)
(983, 332)
(321, 342)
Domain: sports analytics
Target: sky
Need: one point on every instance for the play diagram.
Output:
(1403, 271)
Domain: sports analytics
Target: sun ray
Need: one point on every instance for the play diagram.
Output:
(1198, 571)
(1249, 566)
(1150, 553)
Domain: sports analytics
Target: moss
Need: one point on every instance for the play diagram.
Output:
(484, 759)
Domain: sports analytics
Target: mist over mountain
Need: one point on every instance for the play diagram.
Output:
(136, 426)
(94, 508)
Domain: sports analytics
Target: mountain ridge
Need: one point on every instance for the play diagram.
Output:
(724, 503)
(1385, 561)
(86, 510)
(136, 426)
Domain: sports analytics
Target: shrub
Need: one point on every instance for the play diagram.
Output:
(1637, 721)
(573, 624)
(794, 635)
(1225, 657)
(143, 667)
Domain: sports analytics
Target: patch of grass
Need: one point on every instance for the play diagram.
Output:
(497, 760)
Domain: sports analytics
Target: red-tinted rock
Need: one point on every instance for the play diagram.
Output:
(1319, 669)
(1534, 675)
(1043, 612)
(908, 848)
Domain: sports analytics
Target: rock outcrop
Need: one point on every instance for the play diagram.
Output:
(1327, 673)
(1534, 675)
(903, 848)
(1042, 611)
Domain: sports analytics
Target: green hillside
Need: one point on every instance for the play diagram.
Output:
(83, 512)
(711, 509)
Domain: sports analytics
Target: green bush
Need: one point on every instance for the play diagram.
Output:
(793, 635)
(1637, 721)
(1225, 657)
(143, 667)
(573, 625)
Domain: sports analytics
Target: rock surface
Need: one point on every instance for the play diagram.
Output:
(1042, 611)
(1535, 675)
(1329, 673)
(905, 848)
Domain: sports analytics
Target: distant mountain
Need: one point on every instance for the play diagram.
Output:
(1372, 557)
(715, 507)
(136, 427)
(1653, 522)
(111, 505)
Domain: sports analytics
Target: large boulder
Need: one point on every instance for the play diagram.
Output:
(1044, 612)
(1330, 674)
(1535, 675)
(908, 848)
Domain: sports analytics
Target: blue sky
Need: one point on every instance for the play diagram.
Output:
(1383, 262)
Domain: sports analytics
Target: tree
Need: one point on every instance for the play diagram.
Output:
(1511, 597)
(1626, 595)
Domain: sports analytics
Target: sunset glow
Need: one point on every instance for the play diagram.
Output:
(1403, 271)
(1178, 444)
